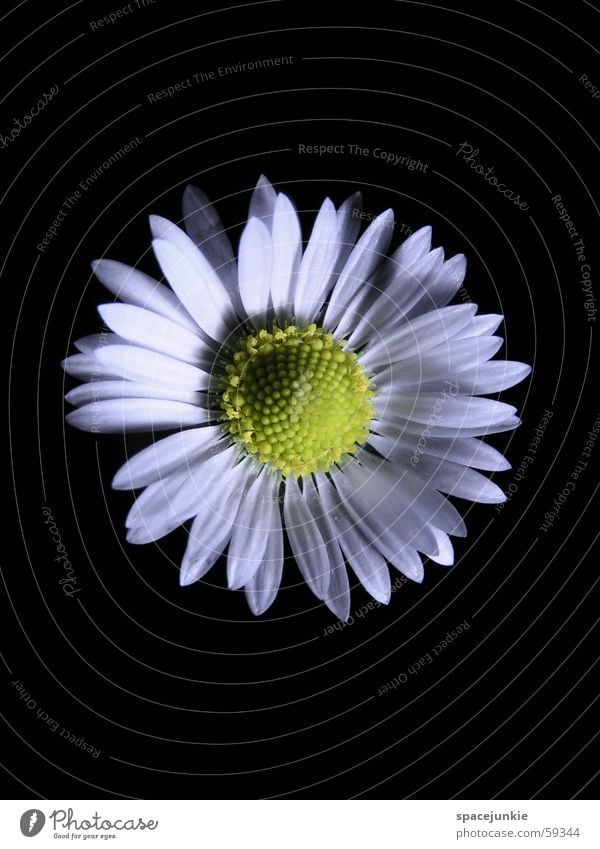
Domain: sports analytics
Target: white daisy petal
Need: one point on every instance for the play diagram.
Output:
(331, 241)
(305, 540)
(153, 331)
(365, 257)
(255, 523)
(419, 335)
(211, 529)
(415, 430)
(483, 325)
(133, 415)
(175, 498)
(366, 556)
(469, 452)
(180, 450)
(491, 377)
(385, 291)
(318, 264)
(446, 411)
(422, 500)
(134, 287)
(445, 552)
(287, 250)
(145, 366)
(408, 448)
(196, 284)
(457, 480)
(88, 367)
(412, 249)
(439, 362)
(397, 288)
(205, 229)
(262, 588)
(337, 597)
(90, 344)
(255, 260)
(103, 390)
(262, 203)
(440, 290)
(348, 227)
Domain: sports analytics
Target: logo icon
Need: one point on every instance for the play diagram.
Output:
(32, 822)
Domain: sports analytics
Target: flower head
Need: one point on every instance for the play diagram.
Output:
(323, 392)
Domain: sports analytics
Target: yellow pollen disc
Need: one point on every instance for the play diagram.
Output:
(295, 399)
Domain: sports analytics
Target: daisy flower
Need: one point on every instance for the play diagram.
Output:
(322, 392)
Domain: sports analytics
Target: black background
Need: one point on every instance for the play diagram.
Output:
(182, 690)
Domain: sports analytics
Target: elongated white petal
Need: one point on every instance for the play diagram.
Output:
(491, 377)
(378, 479)
(205, 229)
(286, 239)
(367, 254)
(483, 325)
(170, 501)
(197, 285)
(211, 529)
(88, 367)
(134, 287)
(176, 452)
(209, 535)
(367, 549)
(415, 337)
(145, 366)
(449, 410)
(407, 448)
(156, 332)
(305, 540)
(400, 288)
(440, 290)
(208, 279)
(255, 522)
(263, 586)
(255, 260)
(445, 553)
(90, 344)
(469, 452)
(103, 390)
(416, 430)
(337, 597)
(318, 264)
(442, 361)
(262, 202)
(412, 249)
(134, 415)
(457, 480)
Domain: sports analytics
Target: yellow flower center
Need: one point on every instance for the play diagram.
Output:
(296, 400)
